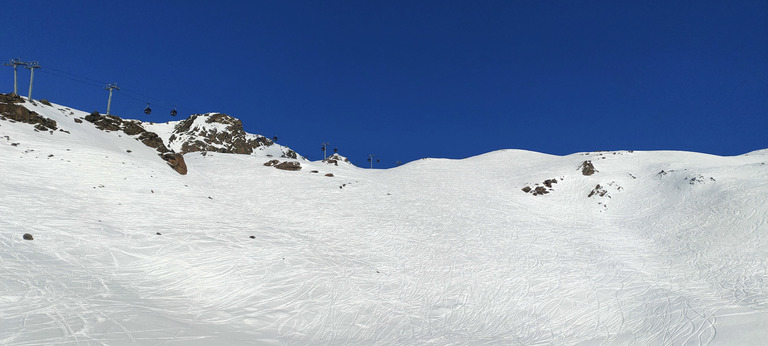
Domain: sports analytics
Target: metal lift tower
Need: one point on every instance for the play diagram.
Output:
(15, 63)
(110, 87)
(31, 67)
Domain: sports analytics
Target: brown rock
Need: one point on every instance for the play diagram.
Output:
(22, 114)
(176, 161)
(289, 166)
(132, 128)
(587, 168)
(152, 140)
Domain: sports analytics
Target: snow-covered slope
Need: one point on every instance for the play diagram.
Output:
(670, 248)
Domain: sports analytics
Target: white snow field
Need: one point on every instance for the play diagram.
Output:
(671, 249)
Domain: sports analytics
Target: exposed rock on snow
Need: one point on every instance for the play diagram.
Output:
(216, 132)
(587, 168)
(11, 98)
(541, 190)
(135, 128)
(176, 161)
(105, 122)
(289, 166)
(598, 191)
(9, 110)
(335, 159)
(285, 165)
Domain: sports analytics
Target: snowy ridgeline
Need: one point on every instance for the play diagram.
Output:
(510, 247)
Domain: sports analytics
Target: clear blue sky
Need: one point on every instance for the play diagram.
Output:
(405, 80)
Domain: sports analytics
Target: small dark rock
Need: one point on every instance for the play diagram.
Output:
(587, 168)
(158, 233)
(252, 237)
(527, 189)
(549, 182)
(28, 236)
(329, 175)
(289, 166)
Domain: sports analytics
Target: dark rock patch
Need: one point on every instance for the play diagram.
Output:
(11, 98)
(233, 139)
(548, 183)
(28, 236)
(132, 128)
(587, 168)
(289, 166)
(290, 154)
(9, 110)
(598, 191)
(152, 140)
(176, 161)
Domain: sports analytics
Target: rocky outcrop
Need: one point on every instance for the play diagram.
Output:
(285, 165)
(216, 133)
(289, 166)
(134, 128)
(537, 189)
(10, 110)
(104, 122)
(176, 161)
(598, 191)
(335, 159)
(587, 168)
(11, 98)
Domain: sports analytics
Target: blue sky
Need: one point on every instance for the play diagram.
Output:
(404, 80)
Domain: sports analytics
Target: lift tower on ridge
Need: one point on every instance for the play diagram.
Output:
(110, 87)
(31, 67)
(15, 63)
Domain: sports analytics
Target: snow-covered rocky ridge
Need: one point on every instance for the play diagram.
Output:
(648, 248)
(217, 132)
(214, 132)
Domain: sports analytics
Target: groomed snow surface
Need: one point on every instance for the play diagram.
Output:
(128, 252)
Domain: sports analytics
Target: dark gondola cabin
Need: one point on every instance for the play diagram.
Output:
(147, 110)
